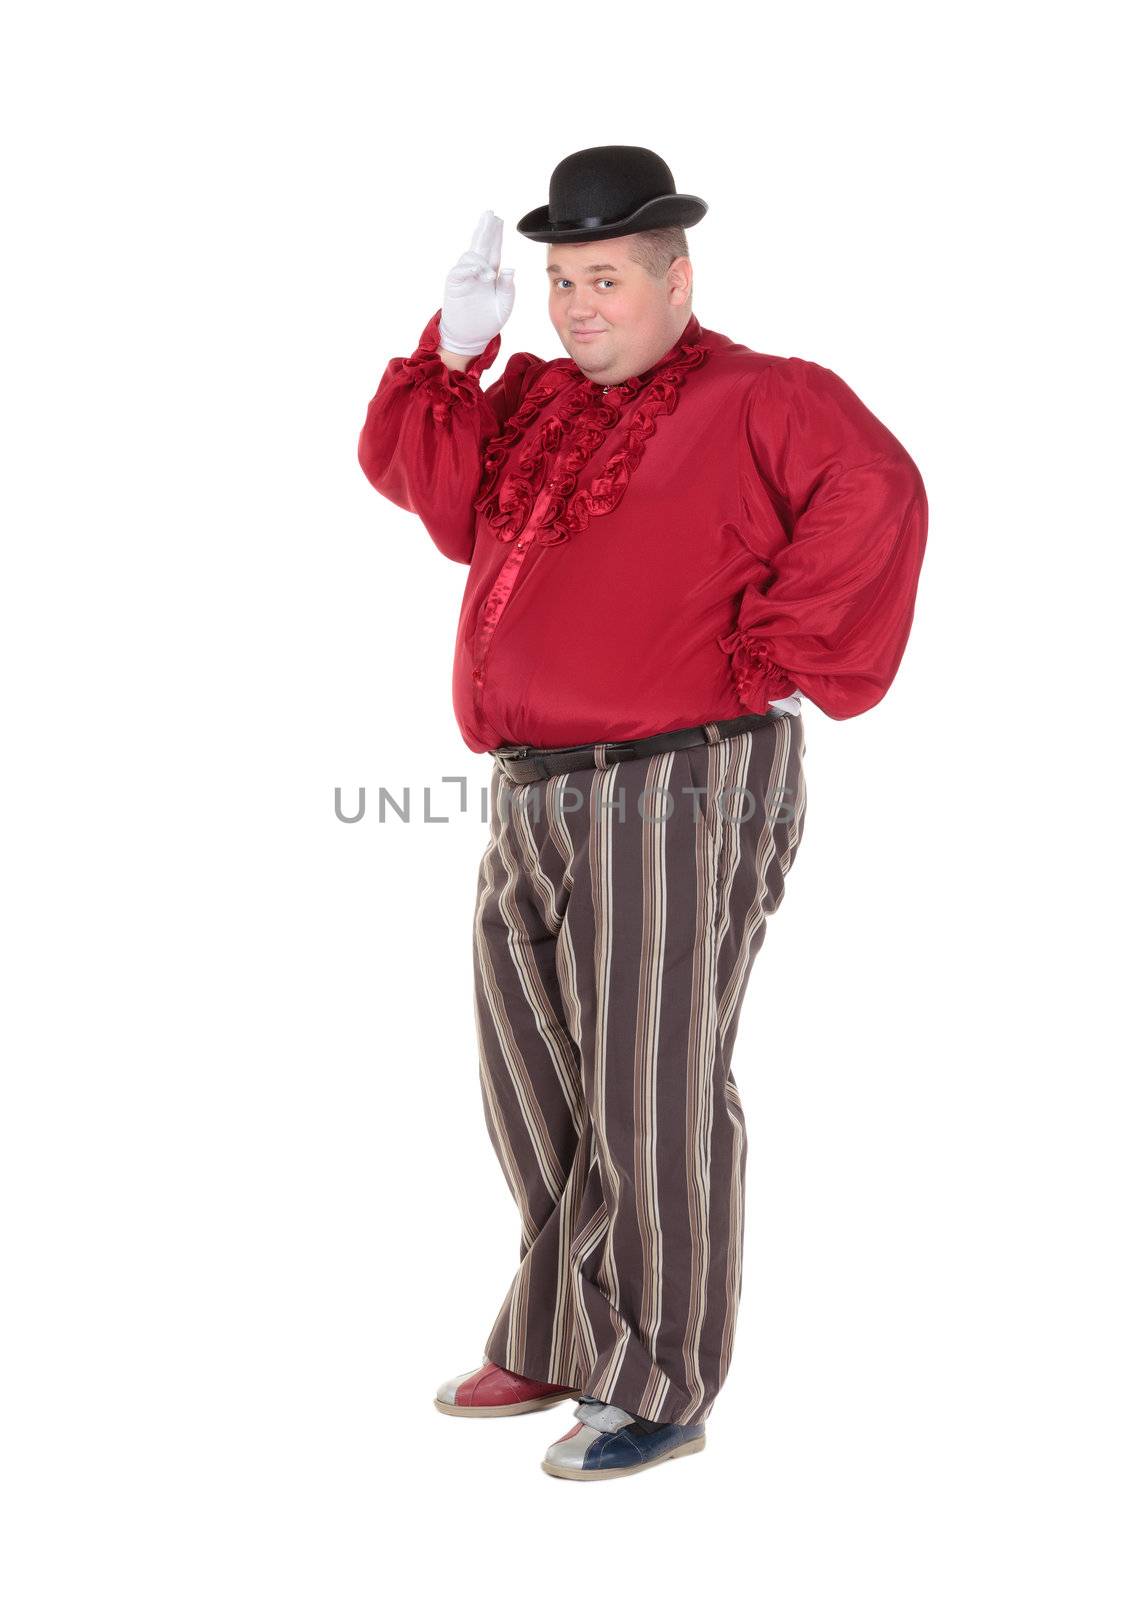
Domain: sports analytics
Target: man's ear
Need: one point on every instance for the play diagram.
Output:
(679, 275)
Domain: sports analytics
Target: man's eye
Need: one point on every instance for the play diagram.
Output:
(560, 281)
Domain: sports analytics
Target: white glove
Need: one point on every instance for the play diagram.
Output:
(792, 702)
(478, 298)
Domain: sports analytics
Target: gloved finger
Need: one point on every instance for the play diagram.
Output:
(471, 267)
(482, 240)
(494, 251)
(488, 239)
(504, 292)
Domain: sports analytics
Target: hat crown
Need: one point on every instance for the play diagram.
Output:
(606, 182)
(607, 190)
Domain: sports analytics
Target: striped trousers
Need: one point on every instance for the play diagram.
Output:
(619, 912)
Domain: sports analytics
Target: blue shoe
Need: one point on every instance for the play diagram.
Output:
(608, 1442)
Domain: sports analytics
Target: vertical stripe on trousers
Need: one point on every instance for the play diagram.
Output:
(618, 916)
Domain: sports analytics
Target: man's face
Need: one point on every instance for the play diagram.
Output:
(613, 318)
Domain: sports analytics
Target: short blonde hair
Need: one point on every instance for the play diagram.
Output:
(655, 248)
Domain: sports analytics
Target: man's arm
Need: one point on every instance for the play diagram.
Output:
(427, 427)
(849, 509)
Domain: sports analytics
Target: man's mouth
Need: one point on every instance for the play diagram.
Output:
(588, 333)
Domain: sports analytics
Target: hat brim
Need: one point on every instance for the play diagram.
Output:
(669, 210)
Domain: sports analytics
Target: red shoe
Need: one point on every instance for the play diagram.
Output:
(492, 1391)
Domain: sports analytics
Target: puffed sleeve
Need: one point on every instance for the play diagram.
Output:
(425, 430)
(847, 512)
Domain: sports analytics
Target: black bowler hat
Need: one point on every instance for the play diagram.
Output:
(607, 190)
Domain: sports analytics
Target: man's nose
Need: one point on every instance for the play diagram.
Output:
(582, 303)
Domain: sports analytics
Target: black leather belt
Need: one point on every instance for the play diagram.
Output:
(524, 764)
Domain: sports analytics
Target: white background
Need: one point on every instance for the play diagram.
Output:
(250, 1213)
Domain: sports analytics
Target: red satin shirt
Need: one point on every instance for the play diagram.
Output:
(709, 536)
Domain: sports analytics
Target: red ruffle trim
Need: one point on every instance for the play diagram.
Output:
(445, 385)
(758, 677)
(571, 436)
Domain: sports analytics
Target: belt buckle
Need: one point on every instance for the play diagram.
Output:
(626, 745)
(510, 753)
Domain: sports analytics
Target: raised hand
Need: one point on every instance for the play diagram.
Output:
(478, 294)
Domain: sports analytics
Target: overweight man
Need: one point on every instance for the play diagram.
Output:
(672, 542)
